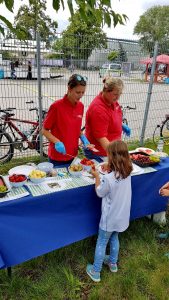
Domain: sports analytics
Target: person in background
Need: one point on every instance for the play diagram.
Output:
(164, 191)
(13, 74)
(29, 76)
(104, 118)
(62, 125)
(115, 190)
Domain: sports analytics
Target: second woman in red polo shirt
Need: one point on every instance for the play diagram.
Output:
(104, 117)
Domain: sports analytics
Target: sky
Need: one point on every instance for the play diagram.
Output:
(132, 8)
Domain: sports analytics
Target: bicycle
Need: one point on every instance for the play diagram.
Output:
(124, 111)
(12, 137)
(162, 131)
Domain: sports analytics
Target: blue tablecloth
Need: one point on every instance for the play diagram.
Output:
(33, 226)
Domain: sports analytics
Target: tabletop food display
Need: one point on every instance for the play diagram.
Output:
(38, 218)
(44, 178)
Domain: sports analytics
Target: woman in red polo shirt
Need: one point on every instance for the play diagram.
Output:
(62, 125)
(104, 117)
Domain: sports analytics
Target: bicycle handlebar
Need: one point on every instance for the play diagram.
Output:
(6, 110)
(35, 108)
(29, 102)
(128, 107)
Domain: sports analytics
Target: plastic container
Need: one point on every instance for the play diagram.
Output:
(160, 145)
(17, 183)
(142, 163)
(47, 167)
(3, 182)
(37, 176)
(87, 164)
(1, 73)
(75, 170)
(37, 180)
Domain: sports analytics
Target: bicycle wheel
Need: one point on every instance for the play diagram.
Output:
(165, 132)
(125, 121)
(156, 135)
(6, 147)
(45, 145)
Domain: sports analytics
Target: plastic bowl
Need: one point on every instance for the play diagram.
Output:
(86, 168)
(17, 183)
(75, 173)
(37, 180)
(85, 164)
(47, 167)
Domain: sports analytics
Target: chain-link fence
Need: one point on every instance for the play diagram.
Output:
(20, 85)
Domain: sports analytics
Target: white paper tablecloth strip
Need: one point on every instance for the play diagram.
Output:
(15, 193)
(69, 183)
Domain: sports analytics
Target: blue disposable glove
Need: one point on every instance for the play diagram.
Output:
(126, 129)
(60, 147)
(84, 140)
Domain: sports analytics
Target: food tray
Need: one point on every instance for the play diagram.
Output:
(143, 164)
(5, 183)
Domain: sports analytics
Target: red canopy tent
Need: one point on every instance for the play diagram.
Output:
(160, 59)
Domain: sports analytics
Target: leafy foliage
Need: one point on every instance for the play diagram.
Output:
(33, 18)
(80, 38)
(97, 10)
(9, 5)
(153, 26)
(113, 55)
(100, 11)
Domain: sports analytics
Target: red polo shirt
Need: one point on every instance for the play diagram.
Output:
(103, 120)
(64, 121)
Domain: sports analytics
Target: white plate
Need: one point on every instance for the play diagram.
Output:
(23, 169)
(136, 169)
(146, 150)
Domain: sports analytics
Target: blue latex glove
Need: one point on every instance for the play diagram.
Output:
(60, 147)
(126, 129)
(84, 140)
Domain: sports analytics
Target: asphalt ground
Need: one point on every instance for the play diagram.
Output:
(15, 93)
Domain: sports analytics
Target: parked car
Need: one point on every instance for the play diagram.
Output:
(110, 69)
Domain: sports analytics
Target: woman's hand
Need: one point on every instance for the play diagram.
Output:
(60, 147)
(84, 140)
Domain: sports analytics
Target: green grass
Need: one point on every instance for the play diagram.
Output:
(143, 269)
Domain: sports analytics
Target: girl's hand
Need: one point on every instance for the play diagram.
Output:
(94, 172)
(105, 167)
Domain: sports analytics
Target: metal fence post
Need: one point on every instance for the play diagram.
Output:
(149, 94)
(39, 93)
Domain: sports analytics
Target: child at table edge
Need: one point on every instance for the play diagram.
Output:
(115, 190)
(164, 191)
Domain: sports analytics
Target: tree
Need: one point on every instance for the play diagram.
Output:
(80, 38)
(113, 55)
(153, 26)
(31, 19)
(98, 10)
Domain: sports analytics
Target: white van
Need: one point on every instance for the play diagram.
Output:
(113, 69)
